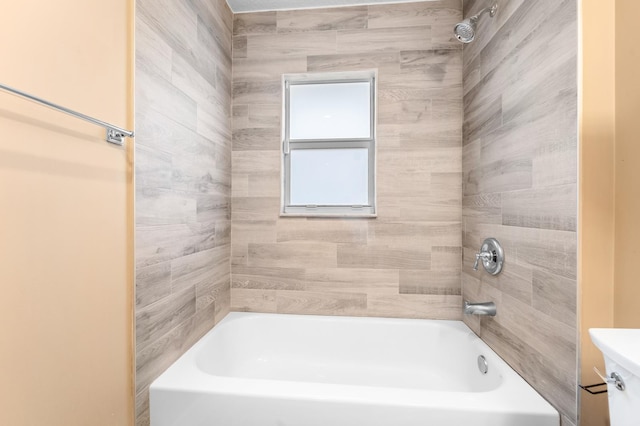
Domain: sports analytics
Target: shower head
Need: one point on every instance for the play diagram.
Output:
(465, 31)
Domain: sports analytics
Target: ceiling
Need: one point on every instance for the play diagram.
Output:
(239, 6)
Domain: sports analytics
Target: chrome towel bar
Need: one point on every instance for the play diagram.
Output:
(115, 134)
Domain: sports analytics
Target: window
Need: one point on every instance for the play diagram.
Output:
(329, 144)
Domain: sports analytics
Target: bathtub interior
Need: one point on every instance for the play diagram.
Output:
(389, 353)
(290, 370)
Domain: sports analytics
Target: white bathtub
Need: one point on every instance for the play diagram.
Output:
(293, 370)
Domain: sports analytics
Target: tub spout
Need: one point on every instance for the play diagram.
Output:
(486, 308)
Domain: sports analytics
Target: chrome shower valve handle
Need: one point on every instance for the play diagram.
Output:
(484, 256)
(491, 255)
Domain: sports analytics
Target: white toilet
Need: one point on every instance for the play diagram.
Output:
(621, 350)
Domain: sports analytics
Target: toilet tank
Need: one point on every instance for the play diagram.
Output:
(621, 350)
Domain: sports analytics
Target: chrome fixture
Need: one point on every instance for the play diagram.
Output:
(613, 379)
(115, 134)
(483, 366)
(465, 31)
(486, 308)
(491, 255)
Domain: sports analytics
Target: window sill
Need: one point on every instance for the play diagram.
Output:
(337, 215)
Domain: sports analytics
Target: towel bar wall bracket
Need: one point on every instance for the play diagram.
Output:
(116, 137)
(115, 134)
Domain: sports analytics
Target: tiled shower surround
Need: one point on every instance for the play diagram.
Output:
(405, 262)
(208, 175)
(183, 180)
(519, 185)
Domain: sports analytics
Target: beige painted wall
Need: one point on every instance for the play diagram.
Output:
(609, 196)
(65, 256)
(597, 148)
(627, 174)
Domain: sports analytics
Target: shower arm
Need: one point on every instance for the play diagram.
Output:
(492, 12)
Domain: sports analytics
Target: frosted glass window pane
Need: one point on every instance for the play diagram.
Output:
(330, 111)
(329, 177)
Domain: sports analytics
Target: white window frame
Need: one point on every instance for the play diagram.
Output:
(287, 209)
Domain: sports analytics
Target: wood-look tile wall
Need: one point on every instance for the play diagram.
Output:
(183, 180)
(519, 186)
(404, 263)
